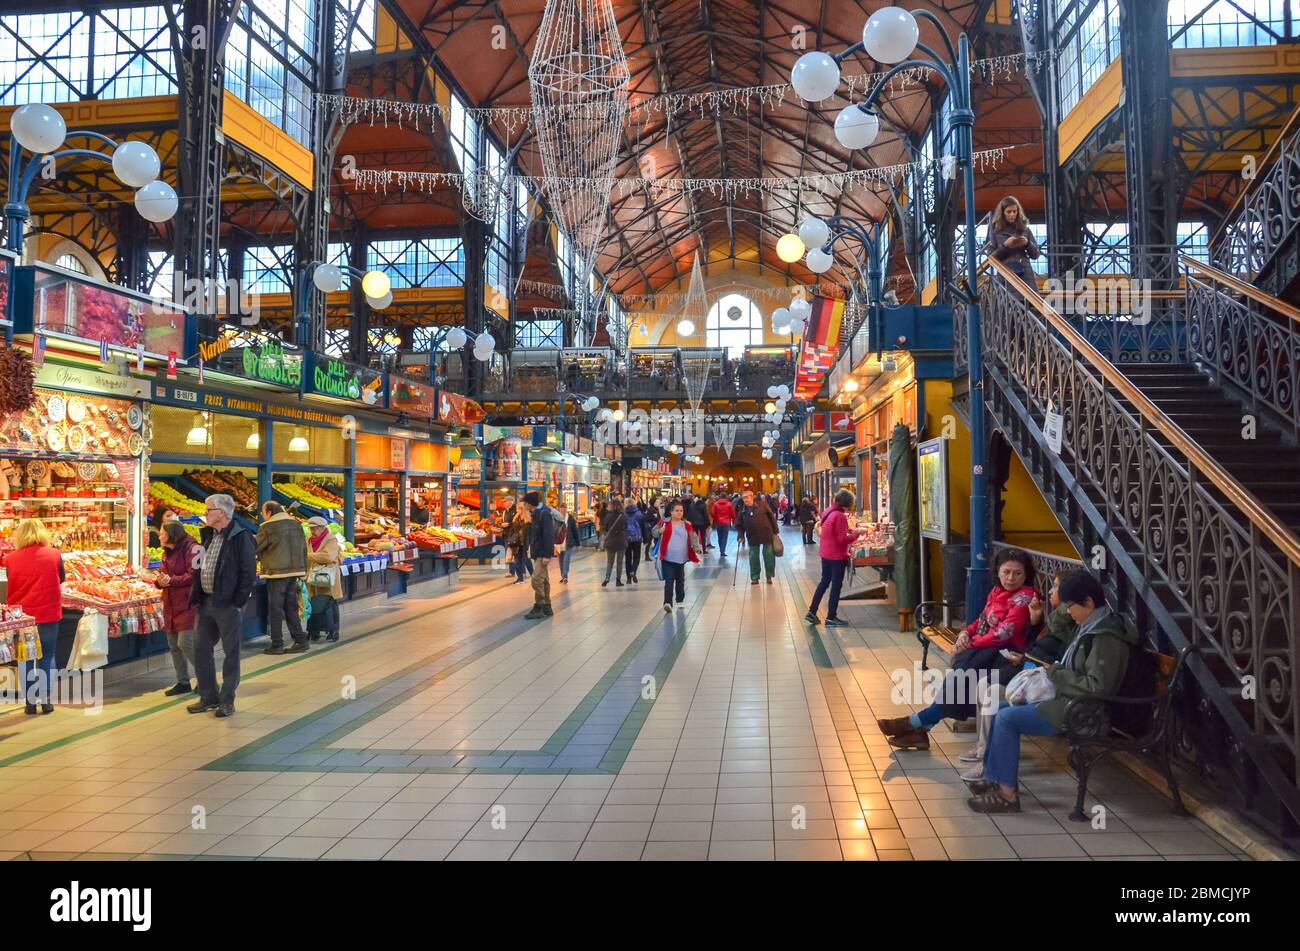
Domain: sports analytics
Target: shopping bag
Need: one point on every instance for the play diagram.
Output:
(90, 649)
(654, 556)
(1030, 686)
(304, 604)
(778, 546)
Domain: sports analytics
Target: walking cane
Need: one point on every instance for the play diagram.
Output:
(736, 566)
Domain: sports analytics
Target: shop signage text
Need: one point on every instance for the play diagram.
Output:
(334, 379)
(89, 381)
(270, 364)
(220, 401)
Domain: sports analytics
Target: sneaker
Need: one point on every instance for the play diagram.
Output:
(974, 774)
(225, 710)
(812, 618)
(177, 690)
(564, 581)
(30, 709)
(533, 615)
(619, 584)
(836, 622)
(605, 583)
(973, 755)
(668, 609)
(202, 706)
(47, 708)
(297, 648)
(331, 637)
(274, 650)
(769, 580)
(547, 612)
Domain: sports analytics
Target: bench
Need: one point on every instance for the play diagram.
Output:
(1082, 720)
(931, 631)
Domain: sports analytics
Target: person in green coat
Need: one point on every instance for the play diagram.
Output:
(1093, 665)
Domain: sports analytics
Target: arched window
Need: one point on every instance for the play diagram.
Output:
(70, 262)
(735, 322)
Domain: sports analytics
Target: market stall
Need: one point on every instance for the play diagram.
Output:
(586, 370)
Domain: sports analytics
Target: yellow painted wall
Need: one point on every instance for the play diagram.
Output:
(1026, 519)
(388, 38)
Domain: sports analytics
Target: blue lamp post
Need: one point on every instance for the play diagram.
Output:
(39, 129)
(891, 36)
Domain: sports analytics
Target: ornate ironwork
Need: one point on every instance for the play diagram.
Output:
(1268, 218)
(1237, 340)
(1223, 586)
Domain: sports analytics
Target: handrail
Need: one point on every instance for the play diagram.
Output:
(1241, 287)
(1251, 185)
(1237, 494)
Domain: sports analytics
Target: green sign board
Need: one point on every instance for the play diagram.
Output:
(334, 378)
(270, 364)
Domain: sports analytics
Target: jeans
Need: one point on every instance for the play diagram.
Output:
(633, 558)
(281, 606)
(723, 531)
(181, 646)
(1002, 755)
(674, 577)
(521, 564)
(833, 579)
(768, 554)
(566, 559)
(542, 583)
(217, 624)
(38, 676)
(614, 563)
(960, 696)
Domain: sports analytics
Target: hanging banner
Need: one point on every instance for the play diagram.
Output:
(410, 396)
(344, 381)
(458, 410)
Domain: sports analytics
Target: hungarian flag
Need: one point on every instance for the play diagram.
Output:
(819, 347)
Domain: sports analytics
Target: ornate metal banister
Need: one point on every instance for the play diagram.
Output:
(1229, 570)
(1266, 214)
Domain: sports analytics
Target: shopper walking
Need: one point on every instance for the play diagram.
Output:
(282, 564)
(176, 577)
(836, 541)
(571, 541)
(517, 546)
(541, 547)
(678, 544)
(724, 517)
(1011, 241)
(324, 577)
(599, 511)
(226, 577)
(697, 513)
(35, 571)
(650, 520)
(616, 538)
(635, 533)
(758, 522)
(808, 517)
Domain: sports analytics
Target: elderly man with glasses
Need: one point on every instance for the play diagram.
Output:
(226, 572)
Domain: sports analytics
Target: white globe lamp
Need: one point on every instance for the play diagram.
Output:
(38, 128)
(380, 302)
(327, 278)
(815, 76)
(855, 128)
(156, 202)
(819, 261)
(790, 248)
(136, 164)
(814, 232)
(890, 35)
(685, 328)
(375, 284)
(800, 307)
(456, 338)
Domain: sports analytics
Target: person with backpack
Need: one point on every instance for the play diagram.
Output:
(614, 528)
(1094, 665)
(566, 540)
(808, 517)
(635, 534)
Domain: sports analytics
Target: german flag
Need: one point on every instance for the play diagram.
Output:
(819, 347)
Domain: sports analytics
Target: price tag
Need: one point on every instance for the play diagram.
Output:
(1053, 429)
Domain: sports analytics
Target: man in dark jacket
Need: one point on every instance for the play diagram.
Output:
(282, 555)
(757, 522)
(697, 513)
(226, 573)
(808, 518)
(541, 548)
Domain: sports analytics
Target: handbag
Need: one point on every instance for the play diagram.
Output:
(778, 546)
(322, 576)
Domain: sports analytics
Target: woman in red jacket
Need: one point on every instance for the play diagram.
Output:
(176, 578)
(724, 516)
(35, 571)
(1002, 625)
(835, 543)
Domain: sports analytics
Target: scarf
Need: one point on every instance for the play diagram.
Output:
(316, 541)
(1095, 618)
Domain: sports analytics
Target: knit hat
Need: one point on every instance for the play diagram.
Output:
(532, 498)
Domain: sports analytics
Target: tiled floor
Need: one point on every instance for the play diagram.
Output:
(447, 727)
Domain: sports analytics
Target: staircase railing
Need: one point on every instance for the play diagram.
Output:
(1203, 555)
(1244, 336)
(1266, 214)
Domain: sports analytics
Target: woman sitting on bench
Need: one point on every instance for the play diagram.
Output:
(1093, 664)
(1002, 625)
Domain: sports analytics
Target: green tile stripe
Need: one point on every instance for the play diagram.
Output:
(314, 652)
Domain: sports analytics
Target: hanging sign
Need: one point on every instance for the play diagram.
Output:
(1053, 429)
(171, 364)
(270, 363)
(397, 454)
(344, 381)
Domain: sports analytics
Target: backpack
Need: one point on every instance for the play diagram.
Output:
(561, 534)
(634, 530)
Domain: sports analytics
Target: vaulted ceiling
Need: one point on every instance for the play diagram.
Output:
(691, 46)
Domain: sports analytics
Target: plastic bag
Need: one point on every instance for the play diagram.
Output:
(1030, 686)
(90, 649)
(304, 604)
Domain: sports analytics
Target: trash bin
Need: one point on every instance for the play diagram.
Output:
(956, 560)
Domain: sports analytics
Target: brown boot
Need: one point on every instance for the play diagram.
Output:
(895, 726)
(913, 740)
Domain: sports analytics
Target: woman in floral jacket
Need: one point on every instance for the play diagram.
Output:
(1002, 625)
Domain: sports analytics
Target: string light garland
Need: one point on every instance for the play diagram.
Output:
(827, 184)
(512, 120)
(631, 302)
